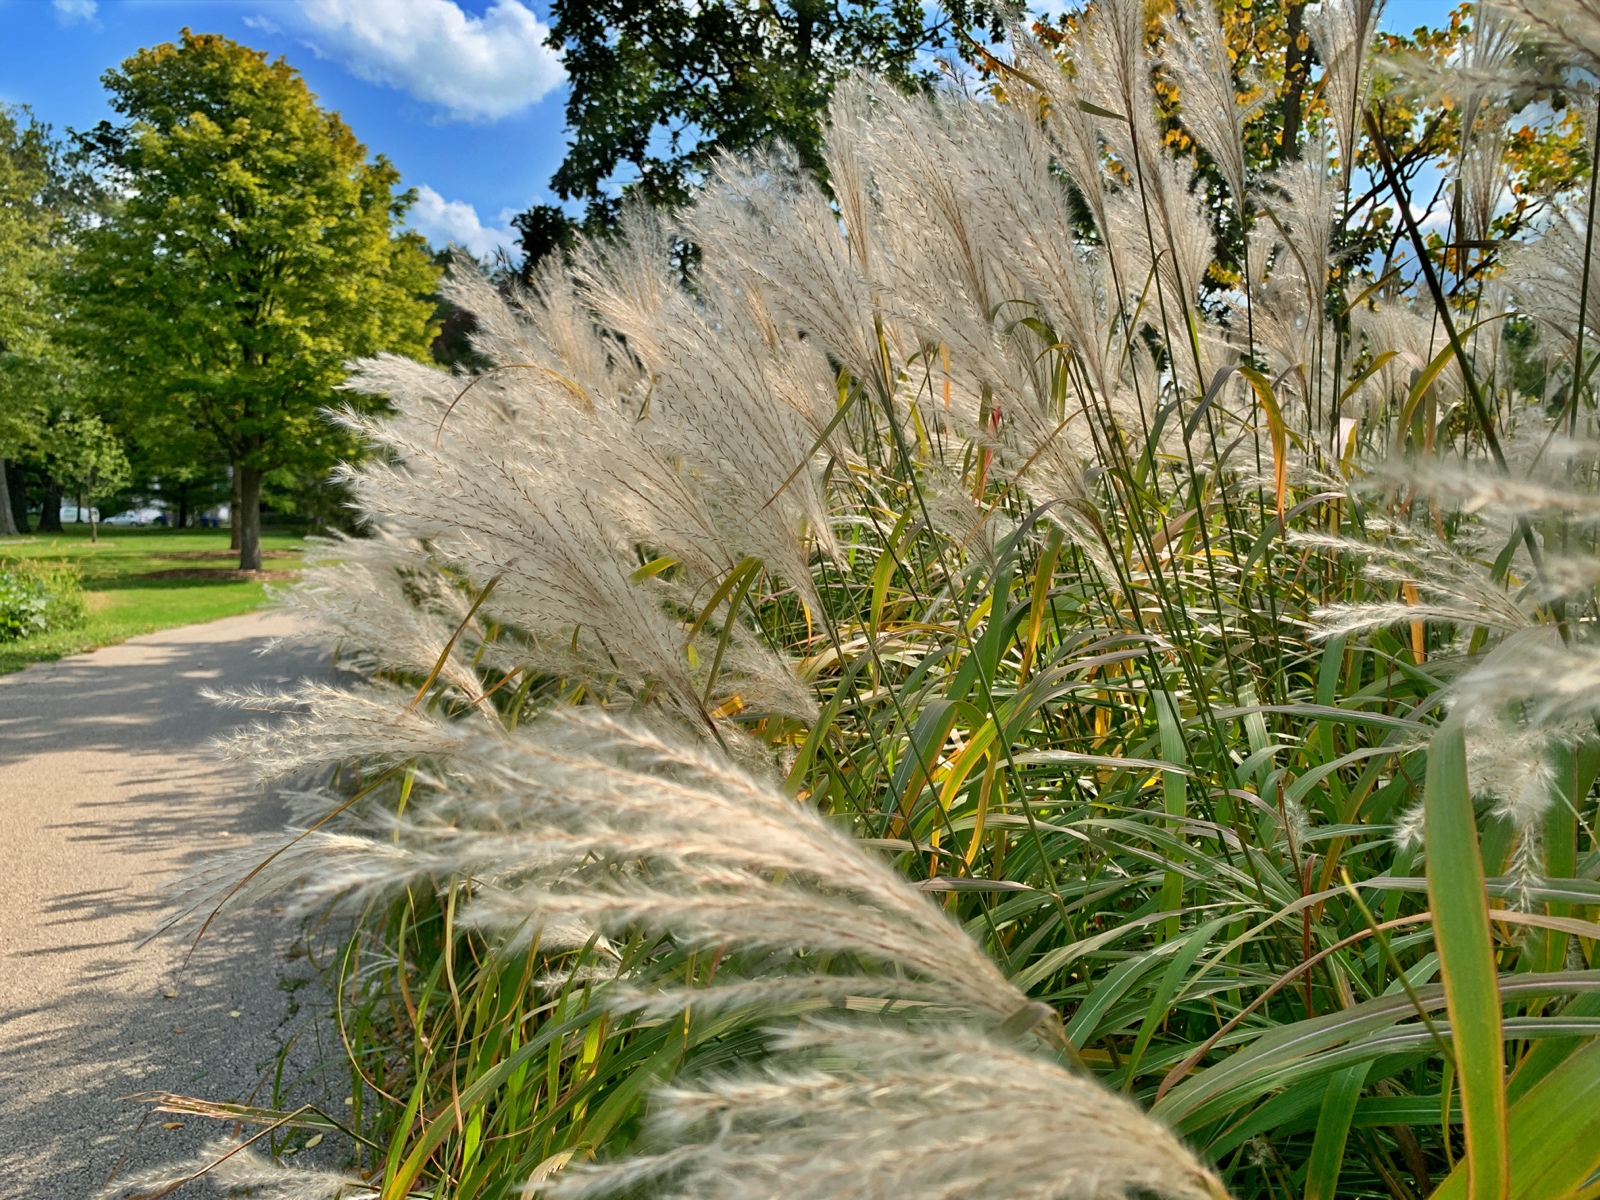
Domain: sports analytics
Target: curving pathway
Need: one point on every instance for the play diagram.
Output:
(107, 788)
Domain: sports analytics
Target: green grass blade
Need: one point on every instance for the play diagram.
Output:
(1545, 1055)
(1554, 1135)
(1174, 790)
(1333, 1130)
(1171, 980)
(1460, 904)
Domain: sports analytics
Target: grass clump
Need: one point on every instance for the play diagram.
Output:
(951, 703)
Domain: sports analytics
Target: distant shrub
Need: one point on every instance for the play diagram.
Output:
(37, 597)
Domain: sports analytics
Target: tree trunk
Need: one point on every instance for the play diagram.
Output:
(247, 521)
(1296, 68)
(8, 523)
(50, 514)
(17, 486)
(183, 505)
(233, 510)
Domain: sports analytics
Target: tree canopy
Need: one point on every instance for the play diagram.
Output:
(25, 222)
(27, 247)
(253, 251)
(657, 89)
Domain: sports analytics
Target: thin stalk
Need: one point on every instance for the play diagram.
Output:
(1583, 290)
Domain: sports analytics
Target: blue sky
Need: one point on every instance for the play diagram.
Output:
(461, 95)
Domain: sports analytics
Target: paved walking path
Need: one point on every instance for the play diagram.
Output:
(107, 788)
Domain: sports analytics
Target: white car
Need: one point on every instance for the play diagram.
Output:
(131, 516)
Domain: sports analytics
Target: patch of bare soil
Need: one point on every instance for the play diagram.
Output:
(218, 555)
(228, 573)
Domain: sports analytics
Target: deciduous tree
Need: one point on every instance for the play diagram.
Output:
(253, 252)
(90, 460)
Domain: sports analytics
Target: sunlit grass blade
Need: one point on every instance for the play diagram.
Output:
(1460, 905)
(1554, 1135)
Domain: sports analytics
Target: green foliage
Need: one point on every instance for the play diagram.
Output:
(252, 253)
(25, 225)
(541, 231)
(657, 90)
(38, 597)
(30, 255)
(90, 461)
(45, 201)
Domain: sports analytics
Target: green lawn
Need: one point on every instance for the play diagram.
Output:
(124, 600)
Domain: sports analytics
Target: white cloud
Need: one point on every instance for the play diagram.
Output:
(73, 12)
(475, 68)
(440, 221)
(1436, 219)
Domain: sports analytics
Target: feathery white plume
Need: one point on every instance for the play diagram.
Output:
(239, 1171)
(1343, 31)
(853, 1112)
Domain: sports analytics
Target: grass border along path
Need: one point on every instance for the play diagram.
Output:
(141, 580)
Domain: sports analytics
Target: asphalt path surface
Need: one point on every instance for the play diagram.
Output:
(108, 788)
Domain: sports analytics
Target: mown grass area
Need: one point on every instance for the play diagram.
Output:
(128, 589)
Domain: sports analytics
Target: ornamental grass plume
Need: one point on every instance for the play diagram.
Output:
(1343, 33)
(603, 826)
(1532, 700)
(235, 1170)
(581, 829)
(855, 1112)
